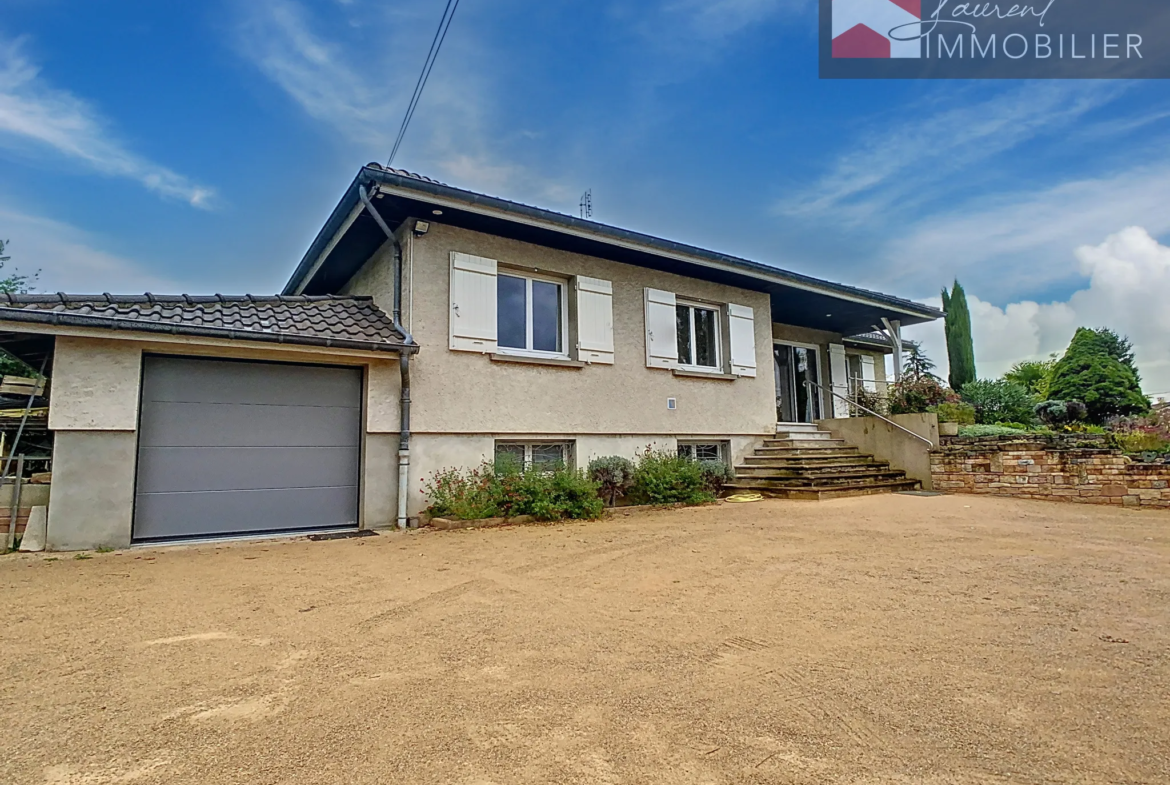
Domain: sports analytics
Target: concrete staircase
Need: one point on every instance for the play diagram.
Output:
(804, 462)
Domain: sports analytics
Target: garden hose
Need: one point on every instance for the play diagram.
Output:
(745, 498)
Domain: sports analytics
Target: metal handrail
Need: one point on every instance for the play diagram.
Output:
(810, 383)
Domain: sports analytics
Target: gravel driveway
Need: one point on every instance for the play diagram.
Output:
(891, 639)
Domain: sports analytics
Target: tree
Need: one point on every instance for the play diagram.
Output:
(15, 282)
(916, 364)
(1119, 347)
(1092, 371)
(960, 346)
(1033, 375)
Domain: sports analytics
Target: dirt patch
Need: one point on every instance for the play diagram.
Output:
(878, 640)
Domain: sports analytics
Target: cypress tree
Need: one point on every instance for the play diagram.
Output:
(960, 346)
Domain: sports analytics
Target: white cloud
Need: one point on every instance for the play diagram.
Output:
(1004, 245)
(68, 260)
(1128, 284)
(933, 145)
(346, 88)
(33, 112)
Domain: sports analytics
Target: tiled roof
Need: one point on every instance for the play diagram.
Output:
(343, 322)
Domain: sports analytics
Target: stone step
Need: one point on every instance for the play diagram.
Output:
(801, 452)
(820, 481)
(797, 426)
(840, 492)
(812, 435)
(814, 459)
(812, 470)
(803, 442)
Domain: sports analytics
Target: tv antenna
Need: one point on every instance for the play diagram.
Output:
(587, 204)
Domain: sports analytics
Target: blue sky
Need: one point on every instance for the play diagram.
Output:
(199, 147)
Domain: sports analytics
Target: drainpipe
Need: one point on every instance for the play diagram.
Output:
(403, 362)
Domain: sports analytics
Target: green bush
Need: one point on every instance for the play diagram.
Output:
(961, 413)
(1098, 369)
(505, 490)
(662, 477)
(989, 430)
(1141, 441)
(999, 401)
(715, 476)
(917, 395)
(613, 475)
(467, 495)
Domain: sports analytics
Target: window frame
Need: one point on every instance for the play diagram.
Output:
(563, 322)
(722, 448)
(718, 310)
(567, 449)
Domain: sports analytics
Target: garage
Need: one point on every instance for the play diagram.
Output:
(239, 448)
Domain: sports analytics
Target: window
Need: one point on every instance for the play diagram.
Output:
(545, 456)
(702, 451)
(530, 315)
(698, 336)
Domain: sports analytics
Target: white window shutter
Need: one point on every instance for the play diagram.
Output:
(661, 330)
(839, 376)
(473, 303)
(594, 321)
(868, 374)
(742, 332)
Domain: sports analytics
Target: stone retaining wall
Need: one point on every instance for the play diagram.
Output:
(1075, 469)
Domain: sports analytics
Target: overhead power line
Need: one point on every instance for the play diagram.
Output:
(425, 74)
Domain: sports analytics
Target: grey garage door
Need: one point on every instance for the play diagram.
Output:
(230, 448)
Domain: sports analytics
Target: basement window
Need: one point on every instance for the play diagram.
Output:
(545, 456)
(703, 451)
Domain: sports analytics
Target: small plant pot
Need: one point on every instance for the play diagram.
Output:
(948, 429)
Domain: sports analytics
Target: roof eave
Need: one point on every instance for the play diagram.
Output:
(605, 233)
(57, 318)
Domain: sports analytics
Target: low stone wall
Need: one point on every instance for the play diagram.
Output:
(1066, 468)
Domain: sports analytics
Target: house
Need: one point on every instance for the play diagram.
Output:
(427, 327)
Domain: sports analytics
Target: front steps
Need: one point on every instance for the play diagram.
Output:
(804, 462)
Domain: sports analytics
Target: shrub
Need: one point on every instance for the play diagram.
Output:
(556, 495)
(663, 477)
(613, 475)
(913, 396)
(1098, 369)
(1141, 434)
(872, 400)
(715, 476)
(988, 430)
(503, 489)
(961, 413)
(466, 494)
(1061, 413)
(1140, 442)
(999, 401)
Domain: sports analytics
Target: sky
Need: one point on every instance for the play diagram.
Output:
(199, 147)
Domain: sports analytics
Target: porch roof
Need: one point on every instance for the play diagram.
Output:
(351, 236)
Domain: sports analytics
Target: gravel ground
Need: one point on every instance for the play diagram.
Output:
(889, 639)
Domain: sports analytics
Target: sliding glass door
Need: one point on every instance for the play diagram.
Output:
(795, 400)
